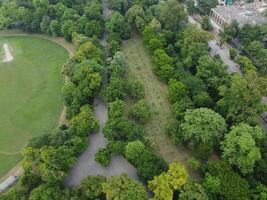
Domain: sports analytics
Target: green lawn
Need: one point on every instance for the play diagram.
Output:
(30, 94)
(156, 93)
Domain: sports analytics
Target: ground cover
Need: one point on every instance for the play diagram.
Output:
(30, 93)
(156, 93)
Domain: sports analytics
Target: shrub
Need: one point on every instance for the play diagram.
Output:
(232, 53)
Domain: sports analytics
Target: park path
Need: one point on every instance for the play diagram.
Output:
(86, 165)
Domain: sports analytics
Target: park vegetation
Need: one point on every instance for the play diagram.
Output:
(215, 112)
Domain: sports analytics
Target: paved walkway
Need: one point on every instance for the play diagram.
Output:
(86, 165)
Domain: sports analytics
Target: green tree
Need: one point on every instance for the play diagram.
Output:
(164, 185)
(91, 187)
(177, 90)
(193, 190)
(221, 182)
(123, 188)
(54, 163)
(133, 150)
(103, 157)
(172, 14)
(85, 122)
(119, 25)
(240, 149)
(190, 7)
(115, 109)
(141, 111)
(115, 90)
(135, 16)
(206, 24)
(205, 6)
(242, 102)
(192, 43)
(46, 192)
(203, 127)
(162, 64)
(88, 51)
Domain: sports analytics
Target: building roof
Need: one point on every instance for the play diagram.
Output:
(251, 13)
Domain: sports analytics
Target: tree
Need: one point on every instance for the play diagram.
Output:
(177, 90)
(118, 65)
(258, 55)
(103, 157)
(164, 185)
(206, 24)
(119, 25)
(190, 7)
(115, 90)
(123, 130)
(172, 14)
(91, 187)
(213, 73)
(115, 109)
(233, 53)
(230, 31)
(221, 182)
(85, 122)
(54, 163)
(240, 149)
(193, 190)
(141, 111)
(136, 89)
(162, 64)
(133, 150)
(135, 16)
(123, 188)
(192, 43)
(203, 127)
(205, 6)
(45, 192)
(88, 51)
(242, 102)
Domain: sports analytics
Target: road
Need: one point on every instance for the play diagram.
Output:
(86, 165)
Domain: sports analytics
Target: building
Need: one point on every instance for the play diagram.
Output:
(251, 13)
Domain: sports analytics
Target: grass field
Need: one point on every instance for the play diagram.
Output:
(156, 93)
(30, 94)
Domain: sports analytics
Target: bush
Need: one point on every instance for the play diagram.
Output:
(103, 157)
(141, 111)
(136, 89)
(193, 163)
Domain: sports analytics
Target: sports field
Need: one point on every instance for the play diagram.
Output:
(30, 93)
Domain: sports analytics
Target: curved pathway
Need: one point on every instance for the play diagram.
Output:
(86, 165)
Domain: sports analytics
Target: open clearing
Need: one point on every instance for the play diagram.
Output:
(156, 92)
(30, 94)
